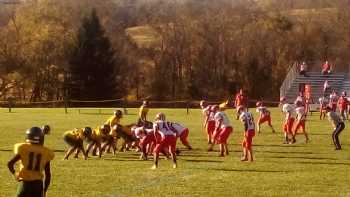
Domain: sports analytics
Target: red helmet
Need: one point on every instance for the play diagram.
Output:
(259, 104)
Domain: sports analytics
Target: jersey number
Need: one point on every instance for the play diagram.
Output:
(37, 158)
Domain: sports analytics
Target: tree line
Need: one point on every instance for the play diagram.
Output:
(164, 50)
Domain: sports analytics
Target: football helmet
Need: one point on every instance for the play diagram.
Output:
(118, 113)
(87, 131)
(46, 129)
(160, 116)
(35, 135)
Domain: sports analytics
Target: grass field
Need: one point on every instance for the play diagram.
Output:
(313, 169)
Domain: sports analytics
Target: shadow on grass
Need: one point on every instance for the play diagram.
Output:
(202, 160)
(278, 145)
(247, 170)
(284, 152)
(322, 163)
(293, 157)
(6, 150)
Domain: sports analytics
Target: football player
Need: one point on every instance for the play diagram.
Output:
(323, 104)
(288, 109)
(264, 116)
(343, 106)
(209, 121)
(143, 111)
(222, 131)
(75, 140)
(249, 133)
(113, 121)
(34, 160)
(181, 132)
(95, 139)
(300, 121)
(165, 139)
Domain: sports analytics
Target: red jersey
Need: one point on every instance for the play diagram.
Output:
(343, 102)
(241, 100)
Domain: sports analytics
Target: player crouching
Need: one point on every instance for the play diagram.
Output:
(95, 139)
(264, 116)
(75, 140)
(34, 158)
(249, 133)
(222, 131)
(165, 139)
(181, 132)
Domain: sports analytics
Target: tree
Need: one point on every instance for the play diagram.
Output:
(93, 64)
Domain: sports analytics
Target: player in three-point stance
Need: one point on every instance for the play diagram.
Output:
(75, 139)
(249, 132)
(34, 159)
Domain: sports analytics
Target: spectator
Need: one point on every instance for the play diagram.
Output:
(302, 69)
(326, 68)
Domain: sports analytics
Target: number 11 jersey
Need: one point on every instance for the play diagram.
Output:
(34, 157)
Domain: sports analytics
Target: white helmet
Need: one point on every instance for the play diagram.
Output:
(160, 116)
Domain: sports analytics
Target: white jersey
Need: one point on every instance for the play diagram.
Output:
(209, 113)
(178, 128)
(263, 111)
(300, 113)
(248, 120)
(323, 101)
(333, 98)
(288, 109)
(221, 117)
(138, 132)
(163, 128)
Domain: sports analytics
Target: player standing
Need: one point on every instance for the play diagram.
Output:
(343, 106)
(264, 116)
(288, 109)
(241, 101)
(222, 131)
(34, 159)
(323, 104)
(165, 139)
(143, 111)
(338, 126)
(209, 121)
(300, 121)
(333, 99)
(249, 133)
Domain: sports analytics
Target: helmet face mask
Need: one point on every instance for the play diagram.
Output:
(87, 131)
(46, 129)
(118, 113)
(35, 135)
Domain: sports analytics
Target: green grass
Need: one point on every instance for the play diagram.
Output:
(313, 169)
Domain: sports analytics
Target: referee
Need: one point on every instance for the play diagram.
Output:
(338, 126)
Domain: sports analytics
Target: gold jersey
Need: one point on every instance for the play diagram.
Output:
(33, 159)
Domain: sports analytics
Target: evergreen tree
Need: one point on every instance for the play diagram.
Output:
(93, 63)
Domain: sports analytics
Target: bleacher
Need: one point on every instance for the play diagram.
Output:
(337, 81)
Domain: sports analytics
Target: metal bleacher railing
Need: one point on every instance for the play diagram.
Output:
(288, 81)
